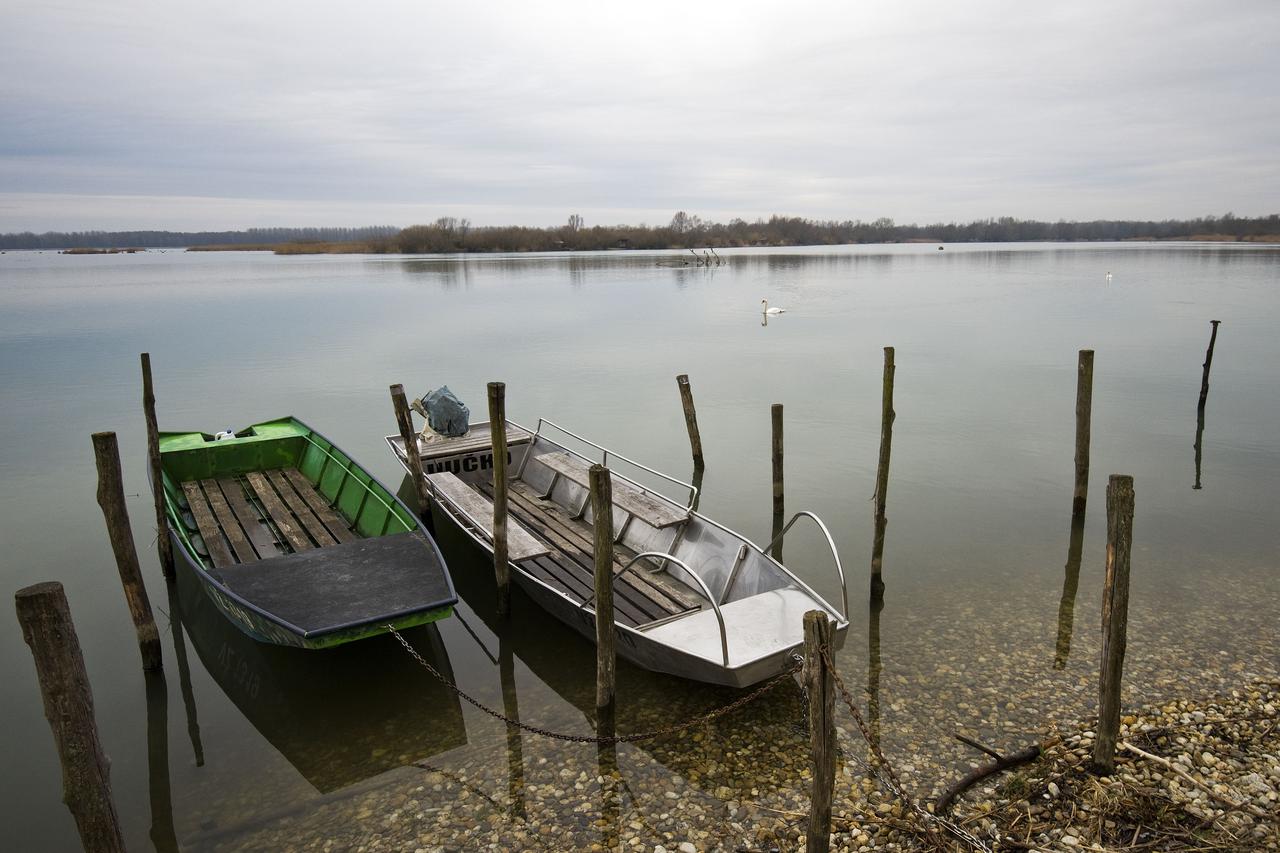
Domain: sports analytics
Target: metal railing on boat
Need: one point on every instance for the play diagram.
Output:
(724, 636)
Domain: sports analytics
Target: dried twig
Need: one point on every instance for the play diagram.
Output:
(1248, 807)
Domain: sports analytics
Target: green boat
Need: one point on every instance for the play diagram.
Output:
(293, 541)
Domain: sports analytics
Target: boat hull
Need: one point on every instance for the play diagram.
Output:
(387, 572)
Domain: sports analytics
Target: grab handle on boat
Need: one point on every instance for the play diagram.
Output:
(844, 592)
(724, 637)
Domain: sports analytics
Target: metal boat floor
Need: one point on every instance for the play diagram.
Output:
(326, 589)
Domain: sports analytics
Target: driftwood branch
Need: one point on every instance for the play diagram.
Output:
(981, 747)
(1024, 756)
(1169, 765)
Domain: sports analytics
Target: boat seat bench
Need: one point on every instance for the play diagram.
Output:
(268, 514)
(626, 496)
(479, 508)
(639, 598)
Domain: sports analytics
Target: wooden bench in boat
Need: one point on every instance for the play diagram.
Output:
(267, 514)
(626, 496)
(479, 509)
(640, 598)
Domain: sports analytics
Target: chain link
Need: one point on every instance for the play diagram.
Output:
(928, 821)
(611, 739)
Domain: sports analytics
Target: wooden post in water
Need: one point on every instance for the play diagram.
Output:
(690, 420)
(164, 545)
(602, 516)
(1115, 619)
(779, 492)
(1208, 363)
(779, 498)
(68, 704)
(111, 498)
(887, 416)
(411, 454)
(1204, 397)
(820, 686)
(498, 437)
(1084, 415)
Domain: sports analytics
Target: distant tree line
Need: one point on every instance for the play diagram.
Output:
(183, 239)
(450, 234)
(687, 231)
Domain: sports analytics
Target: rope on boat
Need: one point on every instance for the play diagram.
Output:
(610, 739)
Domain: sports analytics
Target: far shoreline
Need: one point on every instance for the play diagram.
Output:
(361, 248)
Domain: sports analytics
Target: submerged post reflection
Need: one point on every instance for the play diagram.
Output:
(163, 837)
(874, 668)
(1067, 605)
(184, 673)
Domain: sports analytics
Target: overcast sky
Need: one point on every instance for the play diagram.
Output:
(183, 115)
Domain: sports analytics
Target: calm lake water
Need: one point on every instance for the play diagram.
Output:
(983, 629)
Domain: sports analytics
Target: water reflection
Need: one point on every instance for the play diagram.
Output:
(163, 837)
(515, 736)
(1067, 604)
(338, 716)
(184, 673)
(564, 661)
(1204, 397)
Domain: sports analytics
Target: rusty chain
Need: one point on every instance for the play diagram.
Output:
(928, 821)
(610, 739)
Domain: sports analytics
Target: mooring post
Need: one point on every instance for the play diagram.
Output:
(602, 517)
(1204, 396)
(1115, 619)
(164, 546)
(887, 416)
(411, 453)
(1208, 363)
(68, 705)
(111, 498)
(779, 499)
(820, 686)
(779, 491)
(690, 420)
(498, 436)
(1084, 416)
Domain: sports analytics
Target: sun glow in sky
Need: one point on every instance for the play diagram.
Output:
(183, 116)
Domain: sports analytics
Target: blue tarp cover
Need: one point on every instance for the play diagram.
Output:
(446, 414)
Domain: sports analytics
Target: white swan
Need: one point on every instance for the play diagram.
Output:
(764, 306)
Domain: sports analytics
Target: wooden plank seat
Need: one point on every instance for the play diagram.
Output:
(626, 496)
(479, 509)
(265, 514)
(639, 597)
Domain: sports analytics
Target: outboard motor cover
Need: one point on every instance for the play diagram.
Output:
(446, 414)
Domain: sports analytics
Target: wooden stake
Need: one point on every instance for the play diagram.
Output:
(1204, 397)
(822, 729)
(1084, 416)
(404, 420)
(887, 416)
(779, 491)
(779, 501)
(690, 420)
(1208, 363)
(164, 545)
(1115, 619)
(498, 436)
(111, 498)
(602, 516)
(68, 705)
